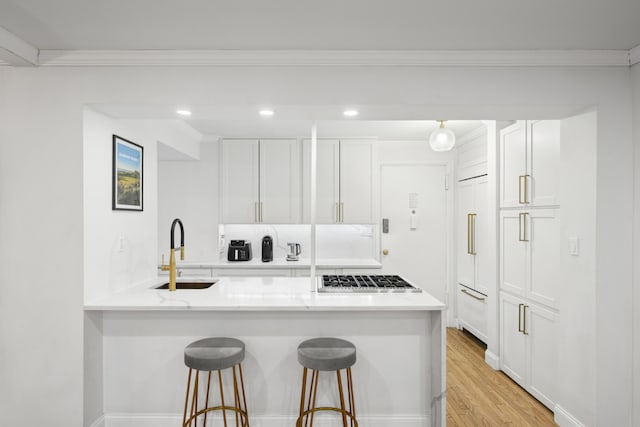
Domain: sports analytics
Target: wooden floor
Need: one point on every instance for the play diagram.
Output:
(479, 396)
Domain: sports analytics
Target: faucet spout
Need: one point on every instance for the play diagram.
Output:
(172, 257)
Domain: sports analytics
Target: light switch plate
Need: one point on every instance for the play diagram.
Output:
(574, 246)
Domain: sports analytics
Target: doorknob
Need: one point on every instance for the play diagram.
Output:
(385, 252)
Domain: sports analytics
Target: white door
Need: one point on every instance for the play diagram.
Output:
(356, 182)
(541, 350)
(544, 161)
(513, 164)
(465, 260)
(416, 251)
(544, 256)
(513, 345)
(513, 252)
(327, 184)
(279, 181)
(239, 172)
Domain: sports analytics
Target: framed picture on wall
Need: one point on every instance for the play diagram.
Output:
(127, 175)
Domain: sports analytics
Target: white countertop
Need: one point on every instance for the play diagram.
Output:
(259, 294)
(303, 263)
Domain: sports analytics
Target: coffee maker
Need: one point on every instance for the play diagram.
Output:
(267, 249)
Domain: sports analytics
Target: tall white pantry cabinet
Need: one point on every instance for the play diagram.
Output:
(529, 254)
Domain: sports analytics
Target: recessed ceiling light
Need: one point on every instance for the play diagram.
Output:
(184, 112)
(350, 113)
(266, 113)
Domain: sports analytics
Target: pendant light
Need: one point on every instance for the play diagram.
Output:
(442, 139)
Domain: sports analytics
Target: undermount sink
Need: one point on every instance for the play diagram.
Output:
(188, 285)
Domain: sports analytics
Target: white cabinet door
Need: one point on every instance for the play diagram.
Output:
(472, 312)
(513, 164)
(327, 184)
(544, 162)
(541, 352)
(279, 181)
(356, 182)
(240, 191)
(465, 261)
(543, 232)
(482, 238)
(513, 345)
(513, 252)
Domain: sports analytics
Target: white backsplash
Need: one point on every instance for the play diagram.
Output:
(333, 240)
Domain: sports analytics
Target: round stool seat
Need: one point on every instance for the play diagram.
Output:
(326, 354)
(213, 354)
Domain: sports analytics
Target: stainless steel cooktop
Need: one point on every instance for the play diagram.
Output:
(365, 284)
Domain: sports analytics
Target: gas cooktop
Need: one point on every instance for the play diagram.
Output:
(365, 283)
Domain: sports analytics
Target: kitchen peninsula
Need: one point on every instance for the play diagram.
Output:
(398, 378)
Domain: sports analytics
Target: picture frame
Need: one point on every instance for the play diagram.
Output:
(127, 175)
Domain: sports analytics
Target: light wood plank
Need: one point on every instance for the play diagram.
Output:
(479, 396)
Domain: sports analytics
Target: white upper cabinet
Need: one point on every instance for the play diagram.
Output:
(530, 252)
(344, 182)
(260, 181)
(239, 181)
(529, 166)
(356, 182)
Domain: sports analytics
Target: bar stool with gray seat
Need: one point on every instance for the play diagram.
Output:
(215, 354)
(326, 354)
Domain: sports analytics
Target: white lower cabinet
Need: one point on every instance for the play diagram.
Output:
(472, 312)
(528, 346)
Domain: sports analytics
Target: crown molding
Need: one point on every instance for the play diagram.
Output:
(15, 51)
(333, 58)
(634, 55)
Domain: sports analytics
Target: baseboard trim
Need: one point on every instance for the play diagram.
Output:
(320, 420)
(492, 360)
(564, 418)
(100, 422)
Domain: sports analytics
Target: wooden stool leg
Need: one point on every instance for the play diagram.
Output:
(352, 403)
(206, 403)
(304, 388)
(344, 415)
(186, 400)
(244, 396)
(224, 413)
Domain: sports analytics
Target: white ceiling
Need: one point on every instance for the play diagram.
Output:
(327, 24)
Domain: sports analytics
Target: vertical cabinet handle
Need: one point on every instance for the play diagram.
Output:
(524, 320)
(520, 317)
(469, 234)
(523, 193)
(341, 211)
(522, 227)
(337, 212)
(255, 212)
(261, 212)
(473, 234)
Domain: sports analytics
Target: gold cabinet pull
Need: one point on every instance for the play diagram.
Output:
(469, 234)
(473, 234)
(337, 213)
(523, 196)
(524, 320)
(341, 211)
(255, 212)
(522, 227)
(472, 295)
(385, 252)
(261, 212)
(520, 317)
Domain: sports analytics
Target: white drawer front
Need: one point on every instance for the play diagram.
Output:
(472, 312)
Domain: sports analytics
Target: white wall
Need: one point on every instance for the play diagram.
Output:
(41, 111)
(112, 265)
(189, 190)
(635, 81)
(576, 297)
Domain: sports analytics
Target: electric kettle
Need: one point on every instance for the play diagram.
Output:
(293, 251)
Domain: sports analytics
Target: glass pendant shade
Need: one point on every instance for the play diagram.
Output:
(442, 139)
